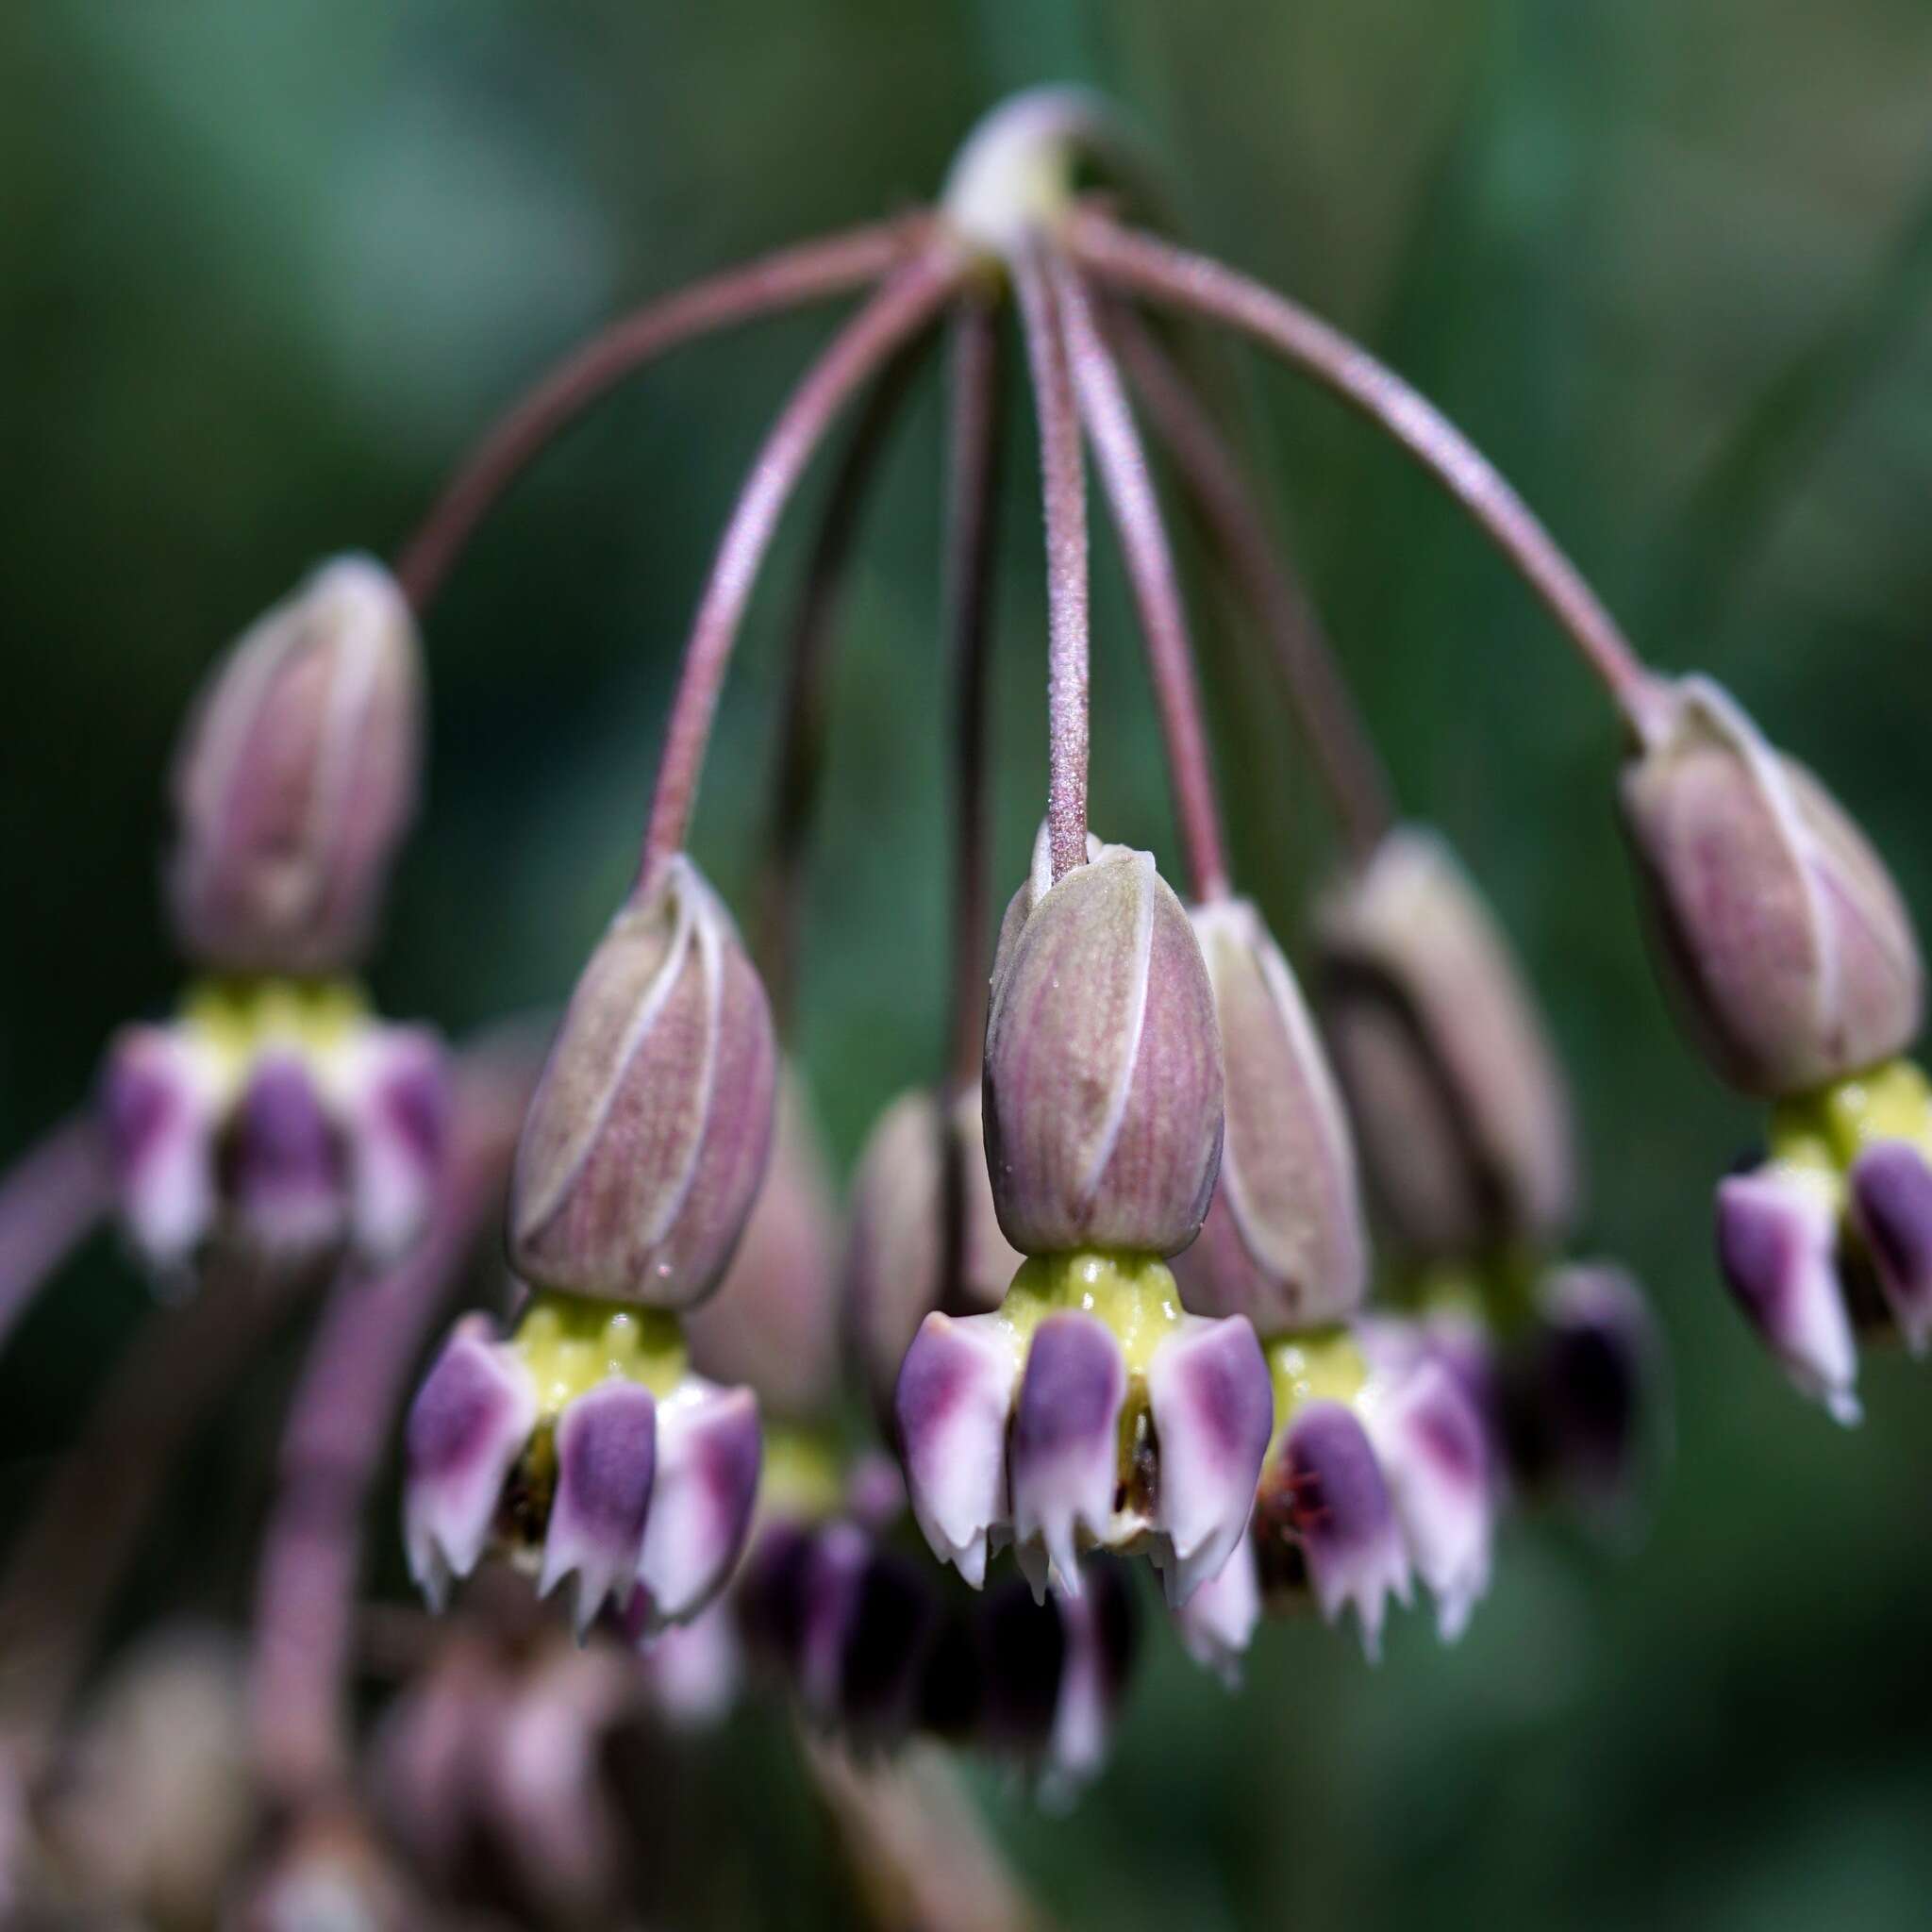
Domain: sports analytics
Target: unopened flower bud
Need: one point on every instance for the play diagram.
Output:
(1459, 1105)
(297, 777)
(646, 1140)
(773, 1322)
(1284, 1242)
(584, 1447)
(1778, 926)
(1102, 1063)
(921, 1181)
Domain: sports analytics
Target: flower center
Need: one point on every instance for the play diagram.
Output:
(570, 1343)
(1311, 1365)
(1135, 1295)
(234, 1020)
(1823, 1132)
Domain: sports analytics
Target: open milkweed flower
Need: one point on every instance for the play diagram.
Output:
(1091, 1409)
(1793, 959)
(582, 1447)
(1375, 1475)
(274, 1119)
(1830, 1237)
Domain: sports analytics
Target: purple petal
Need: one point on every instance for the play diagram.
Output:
(1099, 1649)
(955, 1394)
(1217, 1624)
(708, 1450)
(1342, 1516)
(1065, 1458)
(831, 1578)
(1436, 1461)
(693, 1670)
(1598, 1392)
(1777, 1245)
(467, 1426)
(159, 1100)
(1891, 1202)
(1213, 1408)
(606, 1445)
(286, 1160)
(398, 1108)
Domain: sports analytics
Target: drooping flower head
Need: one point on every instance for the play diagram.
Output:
(1467, 1129)
(1091, 1409)
(584, 1446)
(1793, 961)
(275, 1115)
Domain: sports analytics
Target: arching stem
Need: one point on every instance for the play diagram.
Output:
(773, 283)
(63, 1569)
(808, 660)
(898, 311)
(1344, 754)
(340, 1432)
(973, 458)
(1136, 507)
(51, 1199)
(1198, 286)
(1063, 488)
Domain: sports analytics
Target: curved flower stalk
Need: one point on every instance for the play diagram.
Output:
(1795, 963)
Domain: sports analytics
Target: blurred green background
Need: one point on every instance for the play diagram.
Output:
(264, 269)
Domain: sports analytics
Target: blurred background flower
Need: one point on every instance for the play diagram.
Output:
(264, 270)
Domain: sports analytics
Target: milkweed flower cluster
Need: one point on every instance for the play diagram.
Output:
(1107, 1280)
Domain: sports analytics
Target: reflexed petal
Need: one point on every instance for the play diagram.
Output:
(1099, 1624)
(1213, 1410)
(287, 1161)
(955, 1394)
(1065, 1458)
(606, 1443)
(1777, 1244)
(695, 1670)
(158, 1099)
(708, 1452)
(1599, 1369)
(467, 1426)
(1891, 1202)
(828, 1581)
(398, 1107)
(1436, 1461)
(1343, 1518)
(1217, 1624)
